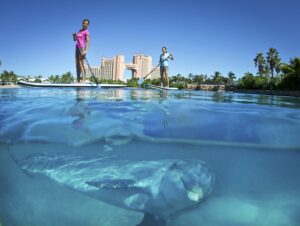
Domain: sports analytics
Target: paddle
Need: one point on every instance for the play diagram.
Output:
(80, 49)
(141, 80)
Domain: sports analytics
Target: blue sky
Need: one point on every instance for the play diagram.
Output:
(204, 36)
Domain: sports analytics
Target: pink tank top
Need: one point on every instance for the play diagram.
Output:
(81, 38)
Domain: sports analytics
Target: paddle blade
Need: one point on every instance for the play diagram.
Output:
(140, 81)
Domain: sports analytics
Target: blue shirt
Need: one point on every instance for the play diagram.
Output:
(162, 58)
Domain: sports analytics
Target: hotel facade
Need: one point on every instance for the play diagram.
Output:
(114, 68)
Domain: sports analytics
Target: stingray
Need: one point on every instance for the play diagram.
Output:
(159, 189)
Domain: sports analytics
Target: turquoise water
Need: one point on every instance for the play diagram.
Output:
(250, 144)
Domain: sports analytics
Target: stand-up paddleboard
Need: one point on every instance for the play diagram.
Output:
(161, 88)
(71, 85)
(57, 85)
(112, 85)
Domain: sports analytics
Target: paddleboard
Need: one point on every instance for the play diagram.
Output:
(161, 88)
(71, 85)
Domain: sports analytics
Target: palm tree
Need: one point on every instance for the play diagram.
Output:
(260, 63)
(8, 77)
(231, 76)
(273, 61)
(190, 78)
(54, 79)
(217, 77)
(177, 78)
(4, 77)
(67, 78)
(291, 73)
(38, 79)
(247, 81)
(205, 78)
(198, 79)
(296, 66)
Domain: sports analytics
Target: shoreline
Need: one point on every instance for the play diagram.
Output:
(9, 86)
(291, 93)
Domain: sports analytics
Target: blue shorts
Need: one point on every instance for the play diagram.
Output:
(163, 69)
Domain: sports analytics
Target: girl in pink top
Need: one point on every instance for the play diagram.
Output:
(82, 39)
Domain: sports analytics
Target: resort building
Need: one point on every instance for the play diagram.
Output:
(143, 66)
(109, 69)
(155, 74)
(114, 68)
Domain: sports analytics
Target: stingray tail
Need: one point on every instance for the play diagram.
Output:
(14, 158)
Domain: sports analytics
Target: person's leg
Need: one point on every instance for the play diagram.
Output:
(167, 76)
(82, 69)
(77, 55)
(161, 76)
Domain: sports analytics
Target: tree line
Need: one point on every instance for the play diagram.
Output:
(11, 77)
(272, 73)
(182, 81)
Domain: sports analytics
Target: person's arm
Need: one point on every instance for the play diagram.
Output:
(87, 45)
(74, 36)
